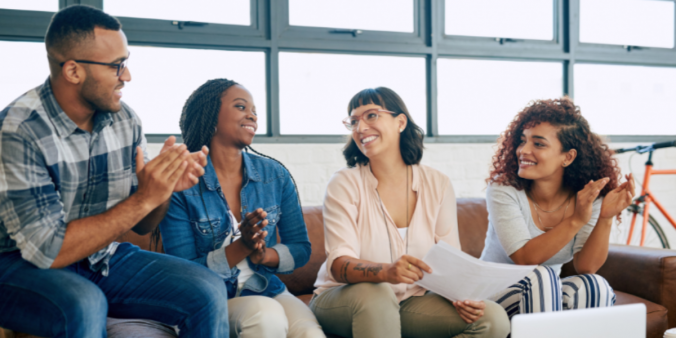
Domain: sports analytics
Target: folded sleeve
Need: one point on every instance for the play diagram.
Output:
(340, 219)
(30, 205)
(506, 216)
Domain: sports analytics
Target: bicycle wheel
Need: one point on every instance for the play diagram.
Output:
(654, 237)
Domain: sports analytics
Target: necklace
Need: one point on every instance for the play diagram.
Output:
(382, 208)
(547, 211)
(562, 217)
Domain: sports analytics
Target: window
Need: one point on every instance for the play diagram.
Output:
(33, 5)
(627, 22)
(164, 78)
(518, 19)
(377, 15)
(627, 100)
(233, 12)
(315, 89)
(480, 97)
(26, 66)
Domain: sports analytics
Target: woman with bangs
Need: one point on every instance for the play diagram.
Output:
(382, 214)
(552, 195)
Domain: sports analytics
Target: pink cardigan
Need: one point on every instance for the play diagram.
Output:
(354, 224)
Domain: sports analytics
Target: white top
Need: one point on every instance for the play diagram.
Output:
(511, 226)
(243, 266)
(402, 232)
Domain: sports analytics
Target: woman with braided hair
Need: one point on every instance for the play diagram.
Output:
(229, 221)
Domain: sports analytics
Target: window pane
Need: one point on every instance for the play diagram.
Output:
(316, 88)
(519, 19)
(627, 100)
(233, 12)
(479, 97)
(26, 66)
(164, 78)
(31, 5)
(627, 22)
(377, 15)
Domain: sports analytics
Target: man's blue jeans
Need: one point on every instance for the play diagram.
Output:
(74, 301)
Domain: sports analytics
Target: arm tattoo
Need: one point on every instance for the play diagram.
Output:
(343, 272)
(374, 269)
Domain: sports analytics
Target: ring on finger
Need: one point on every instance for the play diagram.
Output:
(409, 266)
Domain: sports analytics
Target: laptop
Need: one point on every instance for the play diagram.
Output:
(624, 321)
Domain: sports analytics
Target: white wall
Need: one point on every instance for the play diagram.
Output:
(467, 165)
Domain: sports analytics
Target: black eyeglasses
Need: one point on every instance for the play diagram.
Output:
(120, 66)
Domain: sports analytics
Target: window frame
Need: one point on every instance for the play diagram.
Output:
(271, 33)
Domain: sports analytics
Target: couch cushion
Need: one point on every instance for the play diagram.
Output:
(303, 279)
(472, 224)
(656, 315)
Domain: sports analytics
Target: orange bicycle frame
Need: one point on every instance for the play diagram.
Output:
(647, 199)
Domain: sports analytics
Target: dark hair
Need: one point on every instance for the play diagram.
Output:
(200, 113)
(594, 159)
(411, 139)
(73, 24)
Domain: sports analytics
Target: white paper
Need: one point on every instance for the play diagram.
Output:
(459, 276)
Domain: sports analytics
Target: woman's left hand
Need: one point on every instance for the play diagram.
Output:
(258, 255)
(618, 199)
(469, 310)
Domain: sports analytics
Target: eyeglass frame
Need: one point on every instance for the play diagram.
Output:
(122, 65)
(346, 121)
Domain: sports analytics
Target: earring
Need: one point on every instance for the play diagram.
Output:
(215, 130)
(565, 164)
(401, 130)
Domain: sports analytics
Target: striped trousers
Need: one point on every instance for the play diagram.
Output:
(543, 291)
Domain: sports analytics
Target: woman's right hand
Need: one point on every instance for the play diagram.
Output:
(250, 228)
(407, 269)
(585, 201)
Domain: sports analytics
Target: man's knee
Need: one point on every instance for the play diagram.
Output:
(494, 320)
(211, 297)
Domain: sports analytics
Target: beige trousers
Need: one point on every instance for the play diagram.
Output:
(368, 310)
(279, 317)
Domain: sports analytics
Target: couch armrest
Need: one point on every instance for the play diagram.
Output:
(644, 272)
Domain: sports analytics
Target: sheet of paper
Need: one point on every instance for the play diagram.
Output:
(459, 276)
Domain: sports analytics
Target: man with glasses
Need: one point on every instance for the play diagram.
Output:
(74, 177)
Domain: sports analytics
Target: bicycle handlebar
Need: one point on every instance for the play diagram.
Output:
(645, 149)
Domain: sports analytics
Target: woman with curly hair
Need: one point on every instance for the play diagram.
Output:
(552, 194)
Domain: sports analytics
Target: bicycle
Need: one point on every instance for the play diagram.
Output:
(641, 206)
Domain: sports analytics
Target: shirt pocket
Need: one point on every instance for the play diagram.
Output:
(208, 233)
(274, 214)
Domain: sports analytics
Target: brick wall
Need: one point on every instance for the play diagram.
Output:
(466, 165)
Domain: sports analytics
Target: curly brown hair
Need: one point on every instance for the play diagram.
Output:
(594, 159)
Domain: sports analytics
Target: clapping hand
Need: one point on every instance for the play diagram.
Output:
(618, 199)
(585, 200)
(253, 237)
(195, 169)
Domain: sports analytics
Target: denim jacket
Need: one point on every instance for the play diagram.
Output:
(196, 226)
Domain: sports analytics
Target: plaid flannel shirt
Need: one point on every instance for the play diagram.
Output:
(53, 172)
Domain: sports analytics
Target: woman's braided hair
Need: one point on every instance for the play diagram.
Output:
(198, 126)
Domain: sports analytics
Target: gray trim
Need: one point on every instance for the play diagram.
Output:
(271, 33)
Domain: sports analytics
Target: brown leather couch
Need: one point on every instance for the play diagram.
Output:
(638, 275)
